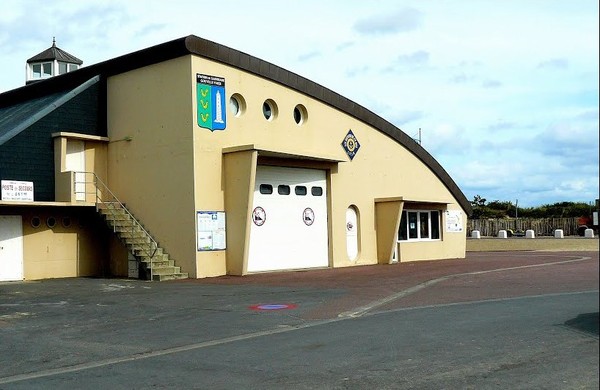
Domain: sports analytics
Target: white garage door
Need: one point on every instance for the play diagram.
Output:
(289, 220)
(11, 248)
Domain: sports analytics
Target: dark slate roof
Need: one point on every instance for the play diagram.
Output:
(193, 45)
(54, 53)
(16, 118)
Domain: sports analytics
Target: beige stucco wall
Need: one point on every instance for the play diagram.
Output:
(150, 153)
(171, 168)
(75, 246)
(382, 168)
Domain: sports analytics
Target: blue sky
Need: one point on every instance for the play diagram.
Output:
(505, 92)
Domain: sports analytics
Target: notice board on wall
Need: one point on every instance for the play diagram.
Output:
(454, 221)
(210, 230)
(17, 190)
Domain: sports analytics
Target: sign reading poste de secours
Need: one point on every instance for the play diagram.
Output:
(17, 190)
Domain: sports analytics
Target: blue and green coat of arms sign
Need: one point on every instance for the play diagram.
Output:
(210, 94)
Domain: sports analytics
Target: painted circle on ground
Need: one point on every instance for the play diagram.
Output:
(273, 306)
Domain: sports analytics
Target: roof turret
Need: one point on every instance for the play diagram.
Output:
(54, 53)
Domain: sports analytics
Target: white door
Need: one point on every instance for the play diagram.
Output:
(351, 233)
(75, 161)
(11, 247)
(289, 220)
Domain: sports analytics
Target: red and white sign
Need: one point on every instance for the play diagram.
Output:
(17, 190)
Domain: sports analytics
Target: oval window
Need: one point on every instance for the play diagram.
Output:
(269, 110)
(237, 104)
(300, 114)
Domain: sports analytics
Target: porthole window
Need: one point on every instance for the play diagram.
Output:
(316, 191)
(269, 110)
(66, 222)
(237, 104)
(36, 222)
(300, 190)
(265, 189)
(51, 222)
(283, 189)
(300, 114)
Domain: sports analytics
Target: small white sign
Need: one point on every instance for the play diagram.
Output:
(210, 231)
(454, 222)
(17, 190)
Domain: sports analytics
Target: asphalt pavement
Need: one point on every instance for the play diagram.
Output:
(518, 320)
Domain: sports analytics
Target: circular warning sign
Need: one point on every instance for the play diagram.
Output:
(259, 216)
(308, 216)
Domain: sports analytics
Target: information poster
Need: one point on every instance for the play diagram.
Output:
(454, 221)
(210, 232)
(17, 190)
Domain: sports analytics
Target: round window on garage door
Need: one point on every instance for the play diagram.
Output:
(352, 233)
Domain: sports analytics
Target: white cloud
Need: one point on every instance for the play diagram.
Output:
(402, 20)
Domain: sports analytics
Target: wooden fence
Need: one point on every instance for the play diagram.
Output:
(541, 226)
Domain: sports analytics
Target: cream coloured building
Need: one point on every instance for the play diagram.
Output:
(191, 159)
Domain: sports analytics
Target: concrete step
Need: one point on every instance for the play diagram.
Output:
(136, 240)
(127, 228)
(162, 278)
(159, 263)
(165, 270)
(114, 212)
(126, 223)
(109, 205)
(131, 233)
(144, 249)
(143, 253)
(148, 258)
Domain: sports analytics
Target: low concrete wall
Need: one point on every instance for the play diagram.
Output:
(532, 244)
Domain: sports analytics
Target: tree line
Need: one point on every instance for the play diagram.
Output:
(506, 209)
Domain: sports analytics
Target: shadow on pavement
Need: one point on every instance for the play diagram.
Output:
(587, 322)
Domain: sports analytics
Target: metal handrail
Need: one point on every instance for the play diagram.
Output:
(114, 200)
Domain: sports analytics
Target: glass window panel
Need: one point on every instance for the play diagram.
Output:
(283, 189)
(412, 225)
(424, 224)
(403, 231)
(47, 69)
(435, 225)
(73, 67)
(62, 67)
(266, 189)
(316, 191)
(267, 111)
(300, 190)
(37, 71)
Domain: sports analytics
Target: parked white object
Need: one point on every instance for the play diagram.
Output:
(589, 233)
(502, 234)
(558, 233)
(529, 234)
(475, 234)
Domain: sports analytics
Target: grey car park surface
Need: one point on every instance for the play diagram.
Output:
(518, 320)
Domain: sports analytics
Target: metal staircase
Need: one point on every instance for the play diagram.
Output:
(154, 263)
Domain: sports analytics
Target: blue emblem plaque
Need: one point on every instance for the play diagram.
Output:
(350, 144)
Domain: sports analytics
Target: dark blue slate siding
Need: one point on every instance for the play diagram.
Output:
(29, 156)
